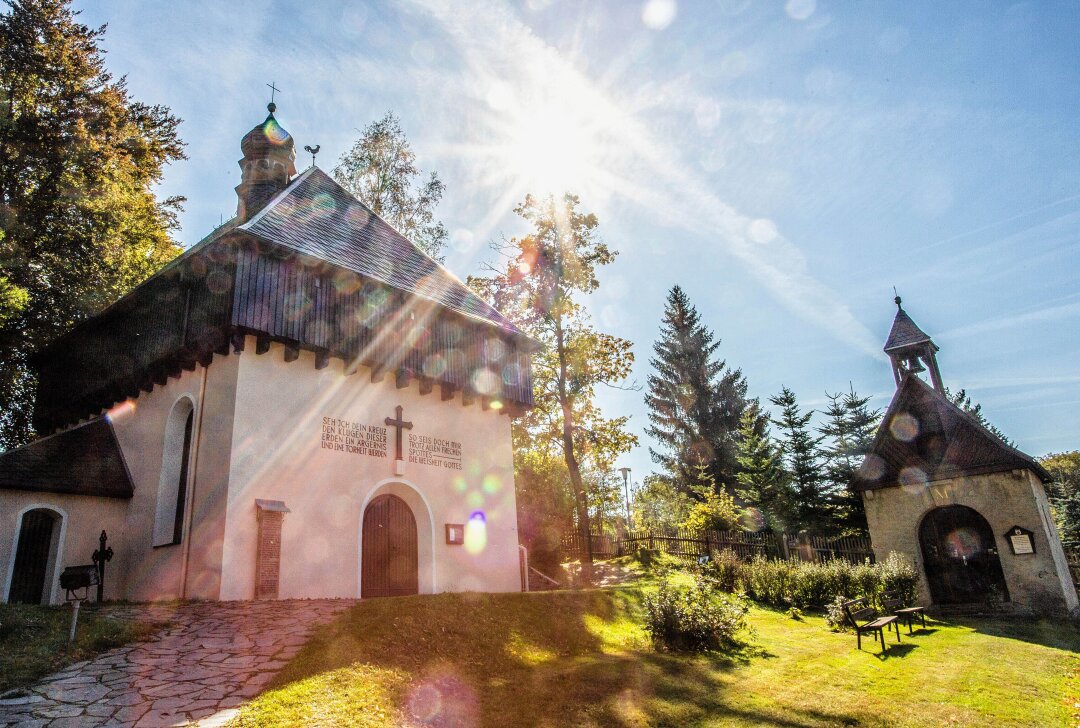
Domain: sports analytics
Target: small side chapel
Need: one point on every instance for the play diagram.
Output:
(303, 404)
(967, 508)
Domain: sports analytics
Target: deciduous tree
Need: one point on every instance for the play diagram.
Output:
(79, 223)
(540, 285)
(1064, 495)
(380, 169)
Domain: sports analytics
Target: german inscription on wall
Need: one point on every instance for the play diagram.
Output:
(435, 451)
(353, 437)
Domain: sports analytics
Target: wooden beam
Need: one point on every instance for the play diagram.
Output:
(322, 359)
(262, 344)
(377, 373)
(237, 341)
(292, 352)
(426, 385)
(485, 403)
(446, 392)
(352, 366)
(404, 376)
(206, 357)
(467, 396)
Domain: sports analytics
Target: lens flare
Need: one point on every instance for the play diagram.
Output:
(476, 533)
(904, 427)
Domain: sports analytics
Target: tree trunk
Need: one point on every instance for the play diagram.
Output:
(572, 465)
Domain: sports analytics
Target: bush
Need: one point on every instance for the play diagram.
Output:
(834, 615)
(804, 584)
(697, 619)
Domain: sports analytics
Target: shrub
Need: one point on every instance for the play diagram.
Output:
(804, 584)
(834, 615)
(898, 575)
(697, 619)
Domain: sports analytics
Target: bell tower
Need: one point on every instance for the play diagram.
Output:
(910, 350)
(267, 166)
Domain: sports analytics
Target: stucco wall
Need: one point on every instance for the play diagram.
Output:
(191, 568)
(1037, 582)
(278, 455)
(83, 519)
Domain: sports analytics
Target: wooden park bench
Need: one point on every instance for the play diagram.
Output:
(892, 604)
(864, 618)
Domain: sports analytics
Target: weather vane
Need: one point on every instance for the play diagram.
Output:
(273, 90)
(312, 151)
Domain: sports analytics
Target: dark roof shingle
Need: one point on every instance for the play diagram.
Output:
(85, 460)
(926, 438)
(318, 217)
(904, 332)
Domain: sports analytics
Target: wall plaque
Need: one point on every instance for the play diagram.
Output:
(1021, 540)
(455, 534)
(354, 438)
(436, 451)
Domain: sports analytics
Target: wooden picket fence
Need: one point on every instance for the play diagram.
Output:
(745, 544)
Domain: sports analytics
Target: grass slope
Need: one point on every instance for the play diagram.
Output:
(34, 640)
(581, 659)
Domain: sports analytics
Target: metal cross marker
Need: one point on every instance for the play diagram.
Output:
(273, 89)
(400, 424)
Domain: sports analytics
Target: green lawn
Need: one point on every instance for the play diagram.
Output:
(580, 658)
(34, 640)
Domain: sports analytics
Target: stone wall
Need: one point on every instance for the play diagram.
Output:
(1037, 583)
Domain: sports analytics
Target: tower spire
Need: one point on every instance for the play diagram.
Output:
(911, 350)
(268, 163)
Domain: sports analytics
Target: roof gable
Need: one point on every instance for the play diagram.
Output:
(85, 460)
(926, 438)
(319, 218)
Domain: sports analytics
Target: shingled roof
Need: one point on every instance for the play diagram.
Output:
(318, 217)
(85, 460)
(925, 438)
(904, 332)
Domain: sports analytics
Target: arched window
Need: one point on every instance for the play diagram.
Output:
(173, 486)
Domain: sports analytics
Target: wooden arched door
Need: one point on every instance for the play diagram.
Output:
(388, 552)
(29, 578)
(960, 557)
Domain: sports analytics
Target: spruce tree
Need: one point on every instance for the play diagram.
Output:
(695, 401)
(799, 448)
(79, 223)
(849, 432)
(763, 484)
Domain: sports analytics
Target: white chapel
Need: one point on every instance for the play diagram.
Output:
(303, 404)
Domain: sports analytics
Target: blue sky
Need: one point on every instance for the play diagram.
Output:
(786, 163)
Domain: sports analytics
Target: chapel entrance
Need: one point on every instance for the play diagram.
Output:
(960, 557)
(32, 555)
(389, 550)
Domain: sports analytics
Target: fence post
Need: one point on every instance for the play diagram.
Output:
(784, 552)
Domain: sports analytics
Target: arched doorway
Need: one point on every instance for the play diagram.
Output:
(35, 557)
(389, 551)
(960, 557)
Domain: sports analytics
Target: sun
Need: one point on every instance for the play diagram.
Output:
(551, 150)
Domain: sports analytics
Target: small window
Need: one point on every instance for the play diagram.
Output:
(173, 486)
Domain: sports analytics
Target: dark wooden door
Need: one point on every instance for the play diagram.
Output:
(960, 557)
(388, 552)
(32, 558)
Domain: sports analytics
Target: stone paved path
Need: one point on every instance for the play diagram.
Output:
(213, 657)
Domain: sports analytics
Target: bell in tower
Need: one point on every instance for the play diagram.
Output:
(267, 166)
(911, 350)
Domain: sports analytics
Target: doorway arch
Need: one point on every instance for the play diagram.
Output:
(960, 557)
(37, 550)
(389, 551)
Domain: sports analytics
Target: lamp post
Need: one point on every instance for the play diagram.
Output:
(626, 489)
